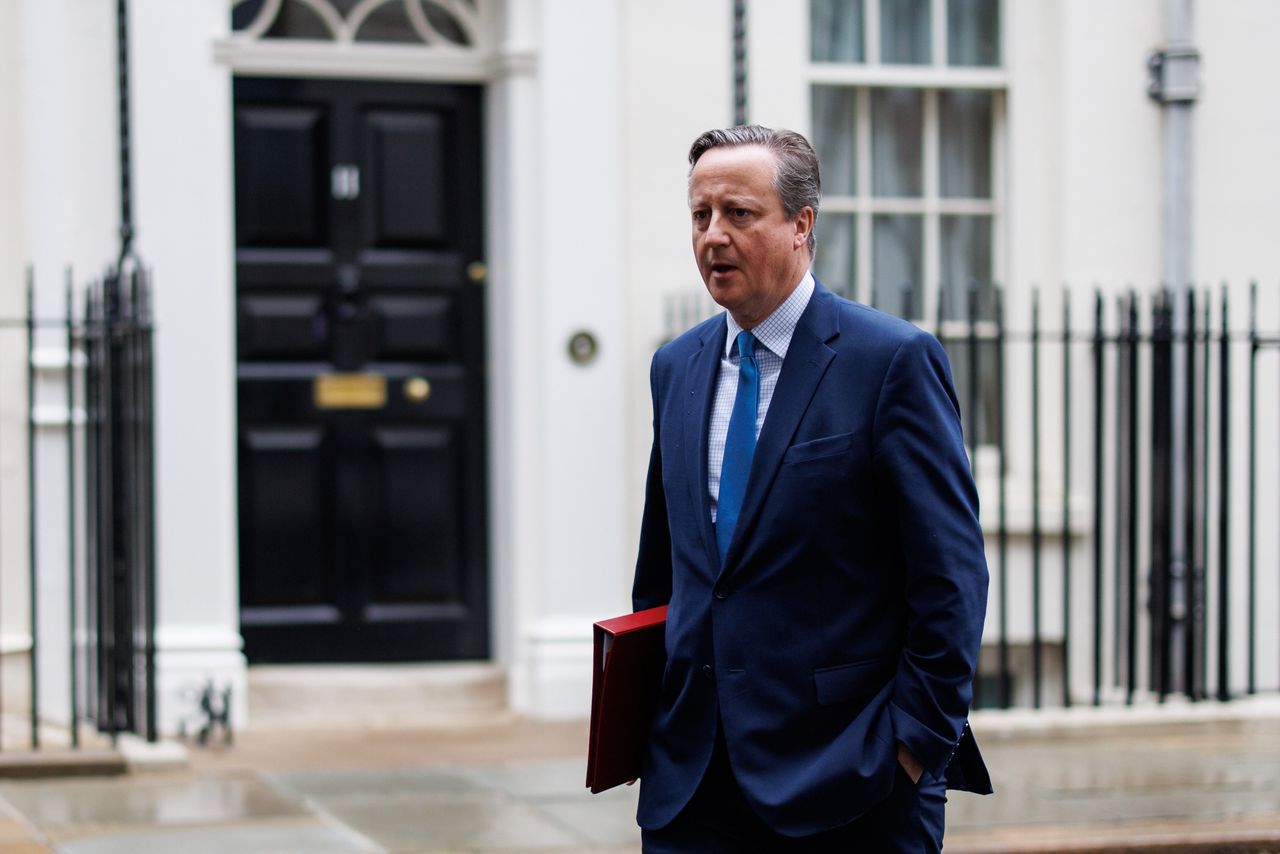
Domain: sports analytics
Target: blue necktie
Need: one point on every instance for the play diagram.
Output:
(739, 444)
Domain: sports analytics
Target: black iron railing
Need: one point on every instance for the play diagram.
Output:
(108, 501)
(1103, 589)
(1161, 579)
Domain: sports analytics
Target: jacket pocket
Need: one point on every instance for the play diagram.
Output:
(817, 449)
(844, 683)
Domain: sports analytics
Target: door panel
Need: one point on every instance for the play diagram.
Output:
(281, 157)
(284, 517)
(283, 326)
(417, 547)
(410, 153)
(362, 496)
(417, 327)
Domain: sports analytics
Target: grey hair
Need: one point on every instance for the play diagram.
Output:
(796, 176)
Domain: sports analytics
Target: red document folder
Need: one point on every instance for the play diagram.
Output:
(630, 652)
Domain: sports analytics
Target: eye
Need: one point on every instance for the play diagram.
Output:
(740, 213)
(699, 215)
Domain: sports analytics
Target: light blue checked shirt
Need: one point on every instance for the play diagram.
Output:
(773, 337)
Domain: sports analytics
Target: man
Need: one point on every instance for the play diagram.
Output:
(811, 521)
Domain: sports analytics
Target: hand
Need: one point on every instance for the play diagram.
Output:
(909, 763)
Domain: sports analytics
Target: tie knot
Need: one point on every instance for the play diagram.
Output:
(746, 345)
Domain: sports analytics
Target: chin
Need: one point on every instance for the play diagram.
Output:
(724, 297)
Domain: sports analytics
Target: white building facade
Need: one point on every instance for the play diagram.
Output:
(1008, 141)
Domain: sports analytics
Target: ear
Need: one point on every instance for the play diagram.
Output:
(804, 225)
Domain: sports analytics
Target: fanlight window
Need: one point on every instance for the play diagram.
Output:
(437, 23)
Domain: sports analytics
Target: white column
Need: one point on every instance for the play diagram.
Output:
(12, 221)
(64, 146)
(183, 213)
(567, 444)
(13, 256)
(514, 179)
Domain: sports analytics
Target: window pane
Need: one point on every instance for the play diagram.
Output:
(299, 21)
(836, 261)
(896, 267)
(897, 122)
(834, 119)
(243, 14)
(965, 265)
(973, 32)
(835, 30)
(904, 31)
(388, 23)
(964, 144)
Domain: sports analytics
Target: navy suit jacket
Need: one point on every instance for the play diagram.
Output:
(848, 612)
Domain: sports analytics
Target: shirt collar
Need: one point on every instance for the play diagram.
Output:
(775, 331)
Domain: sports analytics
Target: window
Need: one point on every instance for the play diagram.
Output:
(430, 22)
(906, 107)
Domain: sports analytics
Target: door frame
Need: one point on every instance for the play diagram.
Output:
(507, 76)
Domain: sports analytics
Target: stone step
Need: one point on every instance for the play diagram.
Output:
(40, 764)
(365, 696)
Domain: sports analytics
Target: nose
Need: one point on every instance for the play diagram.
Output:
(716, 233)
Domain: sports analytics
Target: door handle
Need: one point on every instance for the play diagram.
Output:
(344, 181)
(417, 389)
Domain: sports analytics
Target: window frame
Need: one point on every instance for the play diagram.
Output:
(930, 205)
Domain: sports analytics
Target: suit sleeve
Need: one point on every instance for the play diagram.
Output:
(923, 471)
(652, 584)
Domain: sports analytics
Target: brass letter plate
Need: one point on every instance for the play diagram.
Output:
(350, 391)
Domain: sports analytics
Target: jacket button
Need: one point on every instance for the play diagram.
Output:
(707, 671)
(721, 592)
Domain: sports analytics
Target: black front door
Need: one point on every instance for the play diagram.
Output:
(360, 371)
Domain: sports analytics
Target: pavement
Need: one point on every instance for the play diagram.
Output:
(1176, 781)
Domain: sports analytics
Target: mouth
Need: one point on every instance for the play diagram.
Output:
(720, 269)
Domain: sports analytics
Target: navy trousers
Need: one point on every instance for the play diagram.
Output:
(718, 820)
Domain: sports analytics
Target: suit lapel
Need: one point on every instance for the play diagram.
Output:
(807, 359)
(701, 373)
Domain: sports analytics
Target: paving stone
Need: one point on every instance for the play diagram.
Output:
(1186, 836)
(23, 847)
(146, 800)
(477, 822)
(1192, 789)
(310, 836)
(607, 819)
(376, 783)
(533, 780)
(14, 830)
(611, 849)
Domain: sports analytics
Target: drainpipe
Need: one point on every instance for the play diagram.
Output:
(1175, 86)
(740, 62)
(125, 139)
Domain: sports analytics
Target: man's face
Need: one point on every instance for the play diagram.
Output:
(750, 255)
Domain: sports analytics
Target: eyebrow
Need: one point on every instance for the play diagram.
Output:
(729, 201)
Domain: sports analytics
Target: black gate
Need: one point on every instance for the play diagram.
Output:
(106, 498)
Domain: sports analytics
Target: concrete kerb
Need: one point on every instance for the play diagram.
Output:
(1011, 724)
(40, 765)
(130, 755)
(142, 756)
